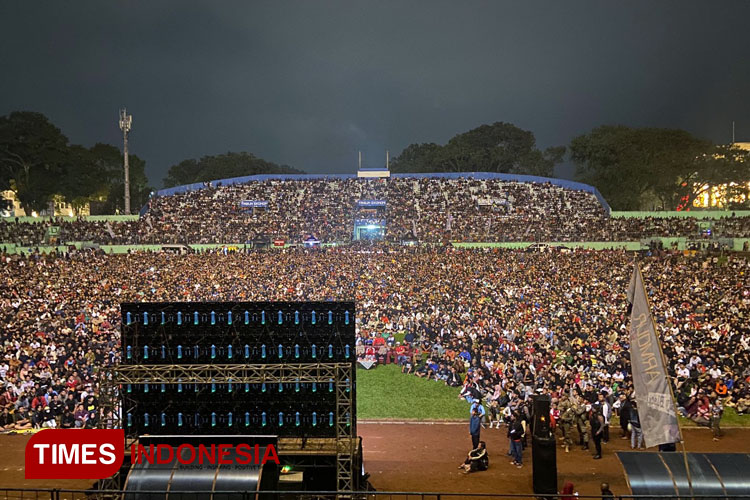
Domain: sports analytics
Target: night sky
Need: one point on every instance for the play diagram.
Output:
(308, 83)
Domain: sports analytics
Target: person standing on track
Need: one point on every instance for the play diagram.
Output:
(606, 413)
(636, 433)
(515, 435)
(717, 410)
(624, 413)
(567, 417)
(475, 427)
(476, 405)
(597, 429)
(583, 414)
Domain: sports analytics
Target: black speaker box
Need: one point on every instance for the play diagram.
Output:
(544, 460)
(541, 407)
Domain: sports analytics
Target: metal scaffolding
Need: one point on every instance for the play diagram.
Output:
(345, 442)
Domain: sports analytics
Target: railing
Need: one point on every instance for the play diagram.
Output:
(65, 494)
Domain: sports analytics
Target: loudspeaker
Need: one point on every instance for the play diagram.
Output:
(541, 416)
(544, 460)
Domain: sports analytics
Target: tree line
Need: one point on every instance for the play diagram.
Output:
(38, 163)
(633, 168)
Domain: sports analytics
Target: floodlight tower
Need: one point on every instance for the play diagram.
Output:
(126, 121)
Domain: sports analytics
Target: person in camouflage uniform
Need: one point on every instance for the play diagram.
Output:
(584, 425)
(567, 419)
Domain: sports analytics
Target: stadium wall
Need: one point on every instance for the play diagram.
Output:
(682, 243)
(737, 244)
(590, 245)
(697, 214)
(92, 218)
(564, 183)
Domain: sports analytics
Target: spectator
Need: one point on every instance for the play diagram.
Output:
(636, 433)
(477, 459)
(515, 436)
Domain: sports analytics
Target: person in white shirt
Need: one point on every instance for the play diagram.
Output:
(607, 413)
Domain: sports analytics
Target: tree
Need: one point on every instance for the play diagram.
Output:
(224, 166)
(37, 162)
(637, 168)
(33, 153)
(417, 158)
(84, 180)
(500, 147)
(109, 161)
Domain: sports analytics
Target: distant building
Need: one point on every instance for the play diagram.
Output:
(717, 196)
(58, 207)
(376, 173)
(11, 207)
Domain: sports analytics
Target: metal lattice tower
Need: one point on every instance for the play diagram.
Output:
(126, 122)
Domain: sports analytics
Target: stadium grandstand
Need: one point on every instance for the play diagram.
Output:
(429, 208)
(492, 324)
(360, 250)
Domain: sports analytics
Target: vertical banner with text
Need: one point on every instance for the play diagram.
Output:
(656, 407)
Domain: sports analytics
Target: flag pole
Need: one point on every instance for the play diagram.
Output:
(669, 381)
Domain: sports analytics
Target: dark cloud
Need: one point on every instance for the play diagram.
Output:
(308, 83)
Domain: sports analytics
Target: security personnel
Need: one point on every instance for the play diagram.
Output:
(567, 419)
(584, 423)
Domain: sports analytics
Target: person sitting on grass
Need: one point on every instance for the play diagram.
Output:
(422, 370)
(743, 405)
(454, 379)
(68, 420)
(409, 364)
(22, 419)
(495, 414)
(432, 369)
(476, 460)
(6, 421)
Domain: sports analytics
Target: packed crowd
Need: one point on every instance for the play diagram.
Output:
(499, 324)
(428, 209)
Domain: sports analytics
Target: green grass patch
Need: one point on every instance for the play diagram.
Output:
(385, 393)
(729, 419)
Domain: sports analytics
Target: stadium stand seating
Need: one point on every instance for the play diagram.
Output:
(429, 209)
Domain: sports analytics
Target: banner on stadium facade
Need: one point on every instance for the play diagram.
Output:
(279, 243)
(254, 204)
(656, 408)
(369, 222)
(371, 204)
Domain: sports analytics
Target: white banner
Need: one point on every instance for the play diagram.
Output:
(656, 408)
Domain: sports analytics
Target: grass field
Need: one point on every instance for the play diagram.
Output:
(385, 393)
